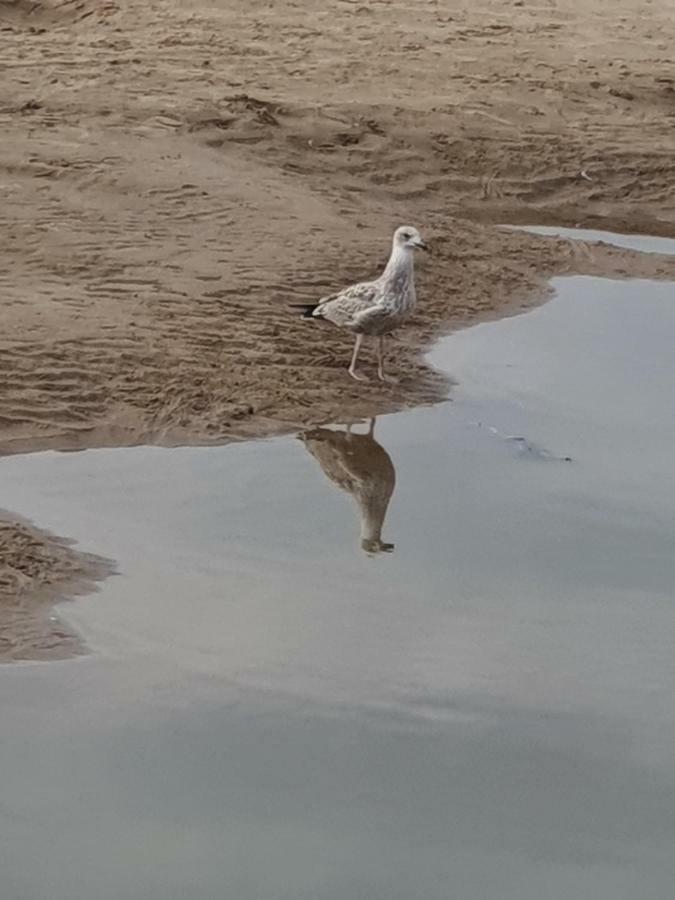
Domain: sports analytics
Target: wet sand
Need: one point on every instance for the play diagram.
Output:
(174, 174)
(37, 570)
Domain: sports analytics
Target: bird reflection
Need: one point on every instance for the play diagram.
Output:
(360, 466)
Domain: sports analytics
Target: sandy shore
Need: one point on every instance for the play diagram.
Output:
(37, 569)
(174, 175)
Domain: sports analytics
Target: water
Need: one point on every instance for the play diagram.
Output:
(641, 242)
(271, 713)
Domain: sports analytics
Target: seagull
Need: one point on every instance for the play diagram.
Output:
(375, 307)
(360, 466)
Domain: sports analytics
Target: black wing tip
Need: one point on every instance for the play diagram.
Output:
(307, 309)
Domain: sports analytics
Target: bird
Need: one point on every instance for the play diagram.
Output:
(376, 307)
(360, 466)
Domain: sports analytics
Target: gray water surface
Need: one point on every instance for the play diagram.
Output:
(270, 713)
(641, 242)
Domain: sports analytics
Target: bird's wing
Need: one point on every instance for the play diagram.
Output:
(343, 307)
(369, 318)
(353, 458)
(330, 449)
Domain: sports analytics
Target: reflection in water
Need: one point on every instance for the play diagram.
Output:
(363, 468)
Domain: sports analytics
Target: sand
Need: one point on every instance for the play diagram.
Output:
(37, 569)
(174, 175)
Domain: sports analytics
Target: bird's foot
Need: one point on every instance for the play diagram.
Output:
(357, 375)
(388, 379)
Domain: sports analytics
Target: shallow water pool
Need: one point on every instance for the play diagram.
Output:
(268, 711)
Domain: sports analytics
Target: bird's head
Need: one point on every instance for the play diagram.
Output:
(409, 237)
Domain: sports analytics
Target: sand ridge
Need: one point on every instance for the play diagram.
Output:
(36, 570)
(174, 175)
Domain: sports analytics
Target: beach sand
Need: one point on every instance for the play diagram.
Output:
(174, 175)
(37, 570)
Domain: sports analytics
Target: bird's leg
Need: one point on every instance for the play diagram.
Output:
(355, 354)
(371, 427)
(380, 357)
(380, 361)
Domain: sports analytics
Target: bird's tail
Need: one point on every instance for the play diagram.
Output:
(307, 309)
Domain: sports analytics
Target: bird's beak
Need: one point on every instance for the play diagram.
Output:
(421, 245)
